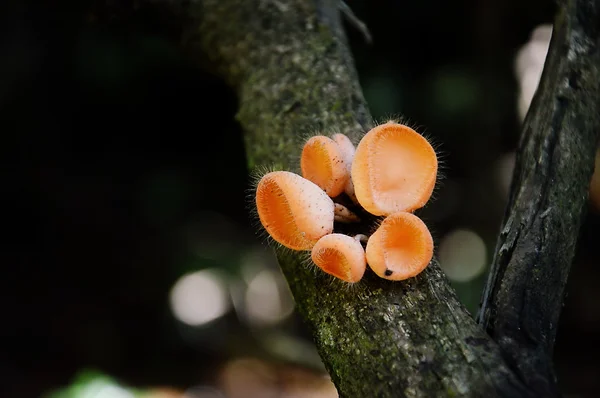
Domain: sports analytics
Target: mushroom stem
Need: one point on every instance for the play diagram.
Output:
(342, 214)
(361, 238)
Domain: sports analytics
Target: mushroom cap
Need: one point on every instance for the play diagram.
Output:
(347, 148)
(348, 151)
(322, 162)
(293, 210)
(394, 169)
(400, 248)
(341, 256)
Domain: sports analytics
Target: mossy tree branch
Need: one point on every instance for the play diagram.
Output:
(524, 294)
(290, 65)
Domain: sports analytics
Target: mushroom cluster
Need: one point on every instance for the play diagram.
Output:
(390, 174)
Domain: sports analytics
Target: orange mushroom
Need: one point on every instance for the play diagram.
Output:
(394, 169)
(293, 210)
(400, 248)
(348, 151)
(346, 147)
(341, 256)
(322, 162)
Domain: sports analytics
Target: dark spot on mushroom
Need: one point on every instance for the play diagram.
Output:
(388, 272)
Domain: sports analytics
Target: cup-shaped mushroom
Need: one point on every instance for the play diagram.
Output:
(346, 147)
(293, 210)
(348, 151)
(322, 162)
(394, 169)
(341, 256)
(400, 248)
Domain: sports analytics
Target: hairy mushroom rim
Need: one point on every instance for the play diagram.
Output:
(400, 248)
(324, 163)
(341, 256)
(293, 210)
(391, 173)
(394, 169)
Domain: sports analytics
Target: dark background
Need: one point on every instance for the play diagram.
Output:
(120, 155)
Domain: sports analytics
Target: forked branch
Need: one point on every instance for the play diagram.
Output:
(290, 65)
(524, 294)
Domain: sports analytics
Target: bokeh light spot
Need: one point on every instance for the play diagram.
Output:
(199, 297)
(462, 255)
(267, 299)
(529, 65)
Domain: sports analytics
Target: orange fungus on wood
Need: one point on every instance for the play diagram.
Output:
(341, 256)
(394, 169)
(322, 162)
(348, 151)
(293, 210)
(400, 248)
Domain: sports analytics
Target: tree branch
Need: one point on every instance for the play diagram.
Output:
(523, 297)
(294, 75)
(290, 65)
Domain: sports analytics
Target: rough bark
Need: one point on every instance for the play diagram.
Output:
(524, 294)
(290, 65)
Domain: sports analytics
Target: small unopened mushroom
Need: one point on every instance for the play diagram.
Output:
(341, 256)
(346, 146)
(400, 248)
(394, 169)
(293, 210)
(343, 214)
(348, 151)
(322, 162)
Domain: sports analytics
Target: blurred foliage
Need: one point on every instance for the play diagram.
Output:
(94, 384)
